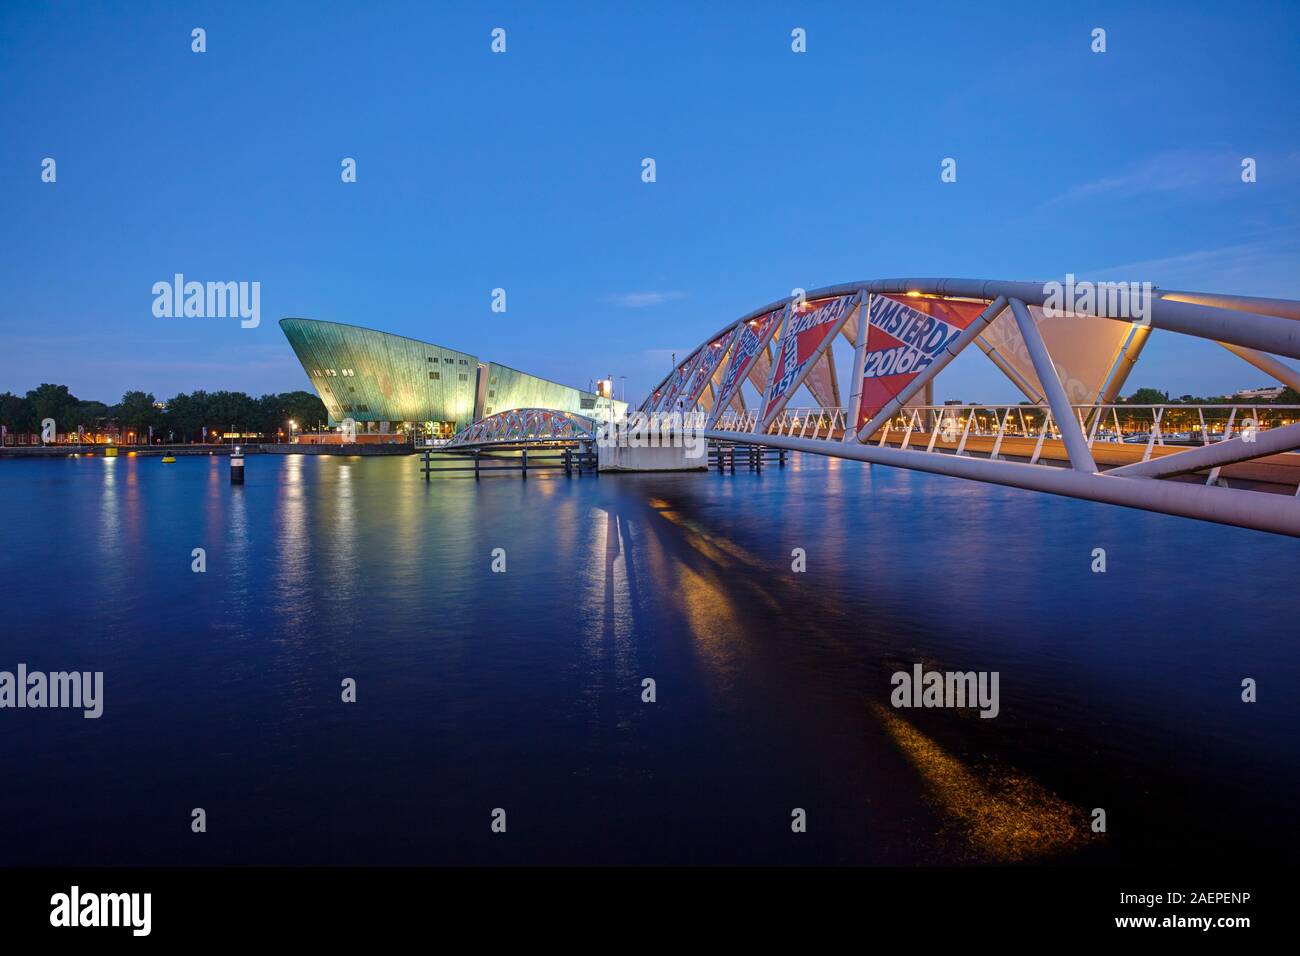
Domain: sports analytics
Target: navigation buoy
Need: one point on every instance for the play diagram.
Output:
(237, 467)
(169, 459)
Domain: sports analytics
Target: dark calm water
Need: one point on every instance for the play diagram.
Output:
(522, 690)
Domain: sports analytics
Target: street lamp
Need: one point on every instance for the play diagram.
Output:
(292, 425)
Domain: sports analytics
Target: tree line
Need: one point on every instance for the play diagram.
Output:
(184, 416)
(1153, 396)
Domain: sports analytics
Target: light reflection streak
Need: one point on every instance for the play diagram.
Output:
(293, 547)
(1007, 817)
(1004, 815)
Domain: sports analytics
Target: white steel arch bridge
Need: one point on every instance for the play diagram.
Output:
(1069, 348)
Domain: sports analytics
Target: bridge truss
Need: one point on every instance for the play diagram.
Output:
(524, 426)
(1226, 463)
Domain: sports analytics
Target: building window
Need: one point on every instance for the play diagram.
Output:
(464, 377)
(352, 390)
(464, 361)
(488, 410)
(494, 379)
(430, 358)
(434, 375)
(586, 403)
(347, 408)
(449, 361)
(492, 393)
(363, 408)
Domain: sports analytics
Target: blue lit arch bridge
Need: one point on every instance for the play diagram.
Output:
(772, 377)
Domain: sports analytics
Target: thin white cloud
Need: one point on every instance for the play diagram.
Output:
(1170, 171)
(642, 300)
(1264, 266)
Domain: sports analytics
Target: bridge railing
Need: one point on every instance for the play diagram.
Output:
(810, 423)
(733, 421)
(942, 425)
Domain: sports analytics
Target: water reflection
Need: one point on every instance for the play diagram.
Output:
(1004, 815)
(773, 684)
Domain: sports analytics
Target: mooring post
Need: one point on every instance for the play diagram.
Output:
(525, 462)
(476, 451)
(568, 462)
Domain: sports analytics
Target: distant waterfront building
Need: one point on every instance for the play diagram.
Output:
(390, 383)
(1266, 394)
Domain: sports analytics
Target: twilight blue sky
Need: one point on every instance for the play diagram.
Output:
(522, 171)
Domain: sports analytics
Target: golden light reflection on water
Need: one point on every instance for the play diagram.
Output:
(1006, 817)
(720, 551)
(1002, 814)
(705, 590)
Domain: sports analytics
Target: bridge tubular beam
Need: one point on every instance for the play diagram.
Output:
(1257, 510)
(1075, 442)
(1175, 312)
(969, 335)
(1273, 441)
(859, 364)
(1128, 356)
(1267, 364)
(1286, 308)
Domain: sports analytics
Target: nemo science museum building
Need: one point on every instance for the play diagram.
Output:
(396, 388)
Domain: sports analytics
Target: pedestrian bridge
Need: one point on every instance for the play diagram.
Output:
(524, 426)
(1069, 351)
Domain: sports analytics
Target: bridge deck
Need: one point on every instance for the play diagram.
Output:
(1282, 472)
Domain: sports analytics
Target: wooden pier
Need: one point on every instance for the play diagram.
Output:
(573, 458)
(723, 456)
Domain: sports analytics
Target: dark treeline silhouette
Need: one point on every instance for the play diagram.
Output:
(182, 417)
(1153, 396)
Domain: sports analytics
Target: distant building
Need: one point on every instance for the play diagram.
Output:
(1266, 394)
(391, 383)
